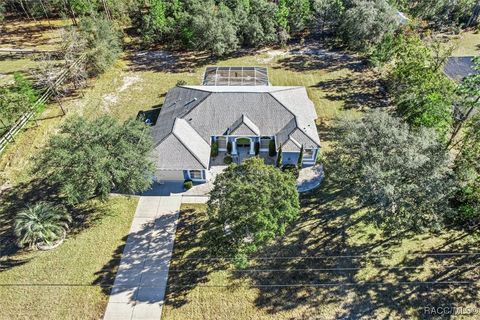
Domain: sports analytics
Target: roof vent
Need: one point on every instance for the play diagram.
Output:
(194, 99)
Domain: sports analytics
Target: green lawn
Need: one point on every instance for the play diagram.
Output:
(21, 34)
(71, 281)
(467, 44)
(331, 224)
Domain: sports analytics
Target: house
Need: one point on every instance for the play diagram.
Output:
(246, 116)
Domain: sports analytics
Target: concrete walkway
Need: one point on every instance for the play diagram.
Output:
(139, 288)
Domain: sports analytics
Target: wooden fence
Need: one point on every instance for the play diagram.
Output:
(23, 120)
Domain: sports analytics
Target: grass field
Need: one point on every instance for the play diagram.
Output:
(332, 243)
(41, 34)
(20, 34)
(71, 281)
(467, 44)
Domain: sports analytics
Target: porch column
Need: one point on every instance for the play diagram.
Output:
(234, 146)
(252, 146)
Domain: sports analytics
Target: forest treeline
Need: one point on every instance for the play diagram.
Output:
(222, 26)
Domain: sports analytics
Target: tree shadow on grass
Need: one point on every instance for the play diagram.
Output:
(17, 198)
(327, 61)
(357, 92)
(178, 61)
(142, 256)
(22, 36)
(191, 262)
(330, 266)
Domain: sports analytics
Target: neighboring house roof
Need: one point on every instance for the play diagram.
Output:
(193, 114)
(402, 18)
(457, 68)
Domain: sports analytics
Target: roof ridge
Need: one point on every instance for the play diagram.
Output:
(183, 143)
(295, 117)
(281, 103)
(306, 134)
(244, 116)
(294, 140)
(190, 110)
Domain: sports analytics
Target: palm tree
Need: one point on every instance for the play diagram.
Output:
(41, 223)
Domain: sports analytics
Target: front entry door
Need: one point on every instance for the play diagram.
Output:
(243, 142)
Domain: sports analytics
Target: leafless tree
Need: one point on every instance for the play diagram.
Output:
(73, 45)
(46, 76)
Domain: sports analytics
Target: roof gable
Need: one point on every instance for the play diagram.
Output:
(192, 141)
(171, 154)
(178, 102)
(244, 126)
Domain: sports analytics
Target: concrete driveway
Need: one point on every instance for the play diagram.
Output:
(139, 288)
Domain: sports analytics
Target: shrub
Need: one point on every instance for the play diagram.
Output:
(292, 169)
(181, 83)
(319, 158)
(227, 160)
(279, 157)
(17, 99)
(257, 148)
(42, 223)
(187, 184)
(300, 158)
(272, 152)
(214, 149)
(229, 147)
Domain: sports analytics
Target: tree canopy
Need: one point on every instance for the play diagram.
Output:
(403, 174)
(189, 23)
(249, 205)
(89, 158)
(17, 99)
(103, 44)
(422, 94)
(467, 172)
(366, 23)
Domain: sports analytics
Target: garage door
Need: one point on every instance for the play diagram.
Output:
(170, 175)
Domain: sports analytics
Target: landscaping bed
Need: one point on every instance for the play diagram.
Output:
(73, 280)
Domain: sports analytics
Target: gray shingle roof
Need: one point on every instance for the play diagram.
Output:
(244, 126)
(457, 68)
(192, 114)
(183, 148)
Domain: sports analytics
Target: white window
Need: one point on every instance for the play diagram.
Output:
(196, 174)
(308, 154)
